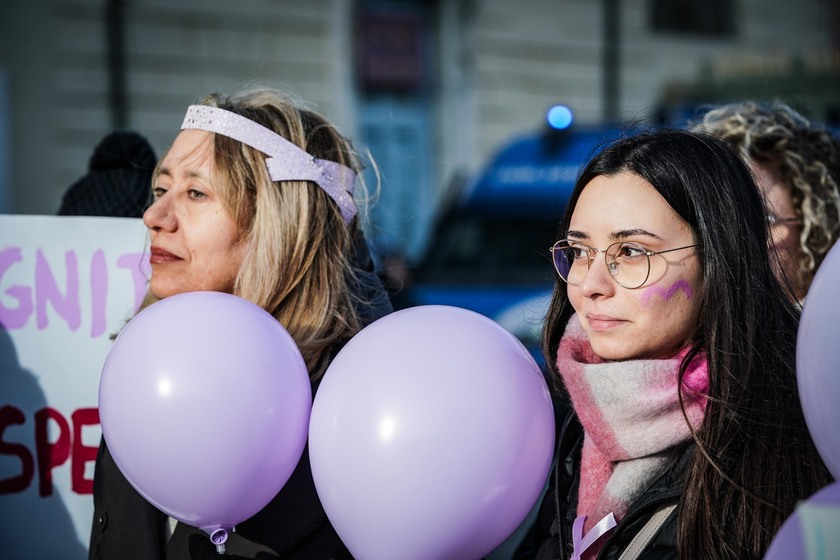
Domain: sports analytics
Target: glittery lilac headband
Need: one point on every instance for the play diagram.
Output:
(285, 161)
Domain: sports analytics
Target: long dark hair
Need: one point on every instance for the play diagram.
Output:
(754, 457)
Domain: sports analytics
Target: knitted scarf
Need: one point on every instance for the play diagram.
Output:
(632, 421)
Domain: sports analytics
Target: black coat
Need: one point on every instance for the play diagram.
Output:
(292, 525)
(125, 525)
(552, 535)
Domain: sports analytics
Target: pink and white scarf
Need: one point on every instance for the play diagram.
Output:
(632, 420)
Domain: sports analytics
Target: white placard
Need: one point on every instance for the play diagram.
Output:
(66, 285)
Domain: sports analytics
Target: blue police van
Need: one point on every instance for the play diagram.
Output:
(489, 250)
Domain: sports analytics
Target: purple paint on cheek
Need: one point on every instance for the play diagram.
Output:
(668, 293)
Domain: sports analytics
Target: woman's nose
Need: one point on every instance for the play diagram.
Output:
(160, 216)
(597, 281)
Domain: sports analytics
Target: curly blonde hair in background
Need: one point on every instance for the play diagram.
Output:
(807, 160)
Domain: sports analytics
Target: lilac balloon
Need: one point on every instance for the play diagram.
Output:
(204, 402)
(431, 436)
(817, 359)
(789, 542)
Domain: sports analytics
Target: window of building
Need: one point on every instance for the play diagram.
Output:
(698, 18)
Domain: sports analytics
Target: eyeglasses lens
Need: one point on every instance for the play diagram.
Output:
(627, 263)
(571, 261)
(563, 260)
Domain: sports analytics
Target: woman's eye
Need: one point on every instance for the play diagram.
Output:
(196, 194)
(577, 252)
(630, 251)
(158, 192)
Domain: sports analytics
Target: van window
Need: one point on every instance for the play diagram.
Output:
(491, 250)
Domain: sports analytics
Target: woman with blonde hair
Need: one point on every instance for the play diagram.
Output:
(797, 166)
(255, 197)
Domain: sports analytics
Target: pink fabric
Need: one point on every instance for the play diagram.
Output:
(632, 421)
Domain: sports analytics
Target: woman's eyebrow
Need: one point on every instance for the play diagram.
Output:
(617, 235)
(189, 174)
(625, 233)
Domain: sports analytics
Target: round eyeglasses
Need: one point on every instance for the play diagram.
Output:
(628, 262)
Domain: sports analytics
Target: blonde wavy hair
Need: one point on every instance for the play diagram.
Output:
(808, 162)
(299, 261)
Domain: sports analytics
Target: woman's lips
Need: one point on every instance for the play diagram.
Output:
(603, 322)
(160, 256)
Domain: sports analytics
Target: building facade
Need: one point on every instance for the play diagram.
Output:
(432, 89)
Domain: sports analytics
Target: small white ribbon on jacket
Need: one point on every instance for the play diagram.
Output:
(580, 542)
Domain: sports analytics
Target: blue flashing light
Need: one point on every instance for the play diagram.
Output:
(559, 117)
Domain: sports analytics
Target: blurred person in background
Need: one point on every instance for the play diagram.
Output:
(117, 181)
(253, 198)
(397, 276)
(797, 167)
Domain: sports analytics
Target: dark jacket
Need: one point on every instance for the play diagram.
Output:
(125, 525)
(553, 528)
(292, 525)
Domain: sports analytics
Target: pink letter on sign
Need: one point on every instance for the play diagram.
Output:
(14, 318)
(50, 454)
(82, 453)
(10, 415)
(138, 265)
(46, 289)
(98, 293)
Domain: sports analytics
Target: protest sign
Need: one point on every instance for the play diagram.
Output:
(67, 284)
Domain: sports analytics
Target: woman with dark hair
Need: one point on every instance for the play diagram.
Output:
(675, 344)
